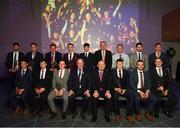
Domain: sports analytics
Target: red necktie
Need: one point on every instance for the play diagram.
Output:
(52, 58)
(100, 75)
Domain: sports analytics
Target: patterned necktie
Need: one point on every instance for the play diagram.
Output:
(141, 79)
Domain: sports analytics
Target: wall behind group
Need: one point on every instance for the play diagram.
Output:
(21, 21)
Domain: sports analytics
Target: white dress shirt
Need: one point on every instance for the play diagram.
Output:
(43, 71)
(61, 73)
(139, 79)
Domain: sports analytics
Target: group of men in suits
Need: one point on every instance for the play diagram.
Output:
(37, 81)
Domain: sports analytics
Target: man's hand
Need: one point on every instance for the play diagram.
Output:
(165, 93)
(96, 94)
(123, 91)
(160, 88)
(41, 90)
(147, 93)
(142, 95)
(56, 92)
(86, 93)
(70, 93)
(108, 95)
(60, 92)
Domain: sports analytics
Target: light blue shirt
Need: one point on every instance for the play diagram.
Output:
(125, 58)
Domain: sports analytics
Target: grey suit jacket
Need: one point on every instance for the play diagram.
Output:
(134, 59)
(58, 82)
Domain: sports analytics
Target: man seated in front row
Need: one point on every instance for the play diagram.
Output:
(160, 85)
(42, 85)
(79, 85)
(140, 85)
(101, 88)
(120, 82)
(59, 89)
(21, 96)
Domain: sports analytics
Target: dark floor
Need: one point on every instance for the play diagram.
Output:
(9, 120)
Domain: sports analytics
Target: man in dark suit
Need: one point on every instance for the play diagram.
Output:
(34, 58)
(12, 64)
(52, 58)
(87, 57)
(120, 82)
(42, 85)
(21, 97)
(104, 54)
(141, 85)
(159, 54)
(79, 85)
(70, 58)
(160, 86)
(101, 88)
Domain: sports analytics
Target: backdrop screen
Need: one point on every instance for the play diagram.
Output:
(81, 21)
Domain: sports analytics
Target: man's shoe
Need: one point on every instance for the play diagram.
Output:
(93, 119)
(63, 115)
(53, 115)
(83, 116)
(130, 119)
(138, 117)
(148, 116)
(107, 119)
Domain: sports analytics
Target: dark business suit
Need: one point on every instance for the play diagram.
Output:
(24, 82)
(34, 62)
(9, 65)
(70, 64)
(79, 86)
(108, 58)
(88, 61)
(58, 57)
(164, 58)
(164, 81)
(46, 83)
(122, 83)
(101, 87)
(147, 86)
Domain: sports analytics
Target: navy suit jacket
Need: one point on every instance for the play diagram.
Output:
(156, 79)
(134, 80)
(89, 61)
(105, 83)
(9, 59)
(70, 64)
(25, 81)
(74, 82)
(164, 57)
(124, 82)
(36, 61)
(45, 83)
(58, 57)
(108, 58)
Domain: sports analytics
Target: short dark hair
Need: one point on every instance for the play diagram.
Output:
(157, 44)
(16, 43)
(42, 60)
(33, 43)
(119, 60)
(139, 61)
(139, 44)
(120, 45)
(86, 44)
(24, 60)
(71, 44)
(52, 45)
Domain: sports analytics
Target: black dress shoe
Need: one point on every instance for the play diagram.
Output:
(107, 119)
(170, 115)
(83, 116)
(53, 115)
(93, 119)
(64, 115)
(73, 116)
(156, 114)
